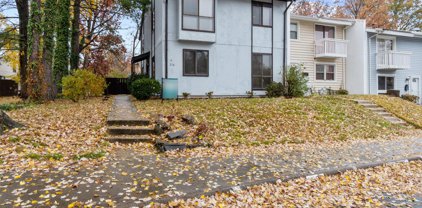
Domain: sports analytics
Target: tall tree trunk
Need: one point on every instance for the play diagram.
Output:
(48, 50)
(35, 68)
(23, 12)
(74, 57)
(61, 54)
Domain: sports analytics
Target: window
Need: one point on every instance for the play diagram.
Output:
(262, 70)
(195, 63)
(198, 15)
(262, 14)
(385, 45)
(324, 32)
(293, 31)
(325, 72)
(385, 83)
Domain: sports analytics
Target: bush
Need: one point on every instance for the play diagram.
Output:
(296, 82)
(186, 95)
(275, 89)
(209, 94)
(134, 77)
(342, 92)
(250, 94)
(145, 88)
(83, 84)
(411, 98)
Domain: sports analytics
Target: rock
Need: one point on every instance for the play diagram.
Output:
(164, 146)
(176, 134)
(158, 129)
(188, 119)
(164, 125)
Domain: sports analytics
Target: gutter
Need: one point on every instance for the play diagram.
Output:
(285, 41)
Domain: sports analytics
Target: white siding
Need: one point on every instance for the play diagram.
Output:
(302, 51)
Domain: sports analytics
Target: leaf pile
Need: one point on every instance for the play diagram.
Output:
(268, 121)
(58, 131)
(392, 185)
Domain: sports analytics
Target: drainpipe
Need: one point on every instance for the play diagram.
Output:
(166, 39)
(344, 59)
(285, 41)
(369, 64)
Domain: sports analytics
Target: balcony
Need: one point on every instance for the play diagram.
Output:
(331, 48)
(393, 60)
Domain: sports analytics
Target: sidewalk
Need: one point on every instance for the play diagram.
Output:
(131, 180)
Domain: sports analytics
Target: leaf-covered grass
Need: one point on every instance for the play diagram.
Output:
(408, 111)
(267, 121)
(4, 100)
(55, 131)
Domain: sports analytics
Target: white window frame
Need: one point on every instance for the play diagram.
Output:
(326, 25)
(325, 71)
(383, 37)
(385, 75)
(298, 30)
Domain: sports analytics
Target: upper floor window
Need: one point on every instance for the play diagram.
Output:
(384, 45)
(322, 31)
(293, 31)
(199, 15)
(262, 14)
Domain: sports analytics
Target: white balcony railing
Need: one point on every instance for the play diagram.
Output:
(393, 60)
(331, 48)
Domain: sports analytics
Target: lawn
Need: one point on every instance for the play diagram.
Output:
(267, 121)
(56, 131)
(394, 185)
(403, 109)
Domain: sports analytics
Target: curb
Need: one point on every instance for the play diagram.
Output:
(330, 172)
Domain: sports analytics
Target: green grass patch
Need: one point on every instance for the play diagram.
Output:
(53, 156)
(34, 156)
(14, 106)
(15, 139)
(91, 155)
(50, 156)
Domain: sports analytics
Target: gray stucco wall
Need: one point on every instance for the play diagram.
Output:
(230, 49)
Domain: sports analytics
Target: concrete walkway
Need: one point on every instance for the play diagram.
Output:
(132, 180)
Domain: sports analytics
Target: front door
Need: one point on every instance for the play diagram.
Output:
(415, 87)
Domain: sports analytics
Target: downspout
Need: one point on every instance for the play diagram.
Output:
(344, 59)
(369, 64)
(285, 41)
(166, 40)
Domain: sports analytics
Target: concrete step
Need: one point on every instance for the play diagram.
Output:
(129, 139)
(377, 110)
(130, 130)
(129, 122)
(387, 114)
(363, 102)
(367, 105)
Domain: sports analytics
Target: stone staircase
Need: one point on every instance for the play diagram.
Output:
(125, 125)
(381, 111)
